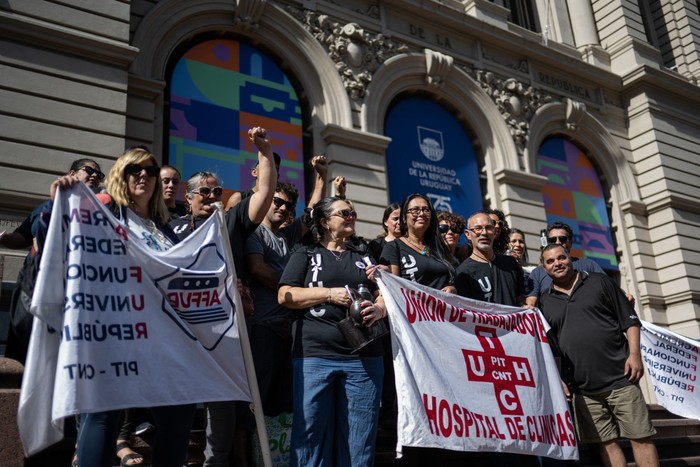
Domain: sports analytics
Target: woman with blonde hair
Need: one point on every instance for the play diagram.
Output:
(136, 199)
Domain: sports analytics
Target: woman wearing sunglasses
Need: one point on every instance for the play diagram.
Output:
(420, 254)
(203, 191)
(335, 393)
(136, 198)
(451, 227)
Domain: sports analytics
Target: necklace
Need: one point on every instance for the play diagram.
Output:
(337, 255)
(423, 250)
(477, 254)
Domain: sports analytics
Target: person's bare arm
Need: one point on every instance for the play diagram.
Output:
(320, 165)
(267, 176)
(340, 186)
(634, 368)
(298, 298)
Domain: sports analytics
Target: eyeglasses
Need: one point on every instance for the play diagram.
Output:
(205, 191)
(92, 171)
(346, 214)
(135, 169)
(279, 202)
(562, 239)
(479, 229)
(444, 228)
(415, 211)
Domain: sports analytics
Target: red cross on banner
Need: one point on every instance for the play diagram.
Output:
(505, 372)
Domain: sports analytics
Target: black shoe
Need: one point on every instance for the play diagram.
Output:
(144, 429)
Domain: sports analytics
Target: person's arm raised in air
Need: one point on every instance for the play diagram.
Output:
(267, 176)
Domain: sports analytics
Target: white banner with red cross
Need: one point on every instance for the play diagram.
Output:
(672, 366)
(474, 376)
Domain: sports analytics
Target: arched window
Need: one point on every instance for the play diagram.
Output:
(431, 153)
(574, 195)
(218, 90)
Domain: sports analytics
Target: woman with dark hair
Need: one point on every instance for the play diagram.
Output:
(451, 228)
(390, 231)
(500, 243)
(336, 393)
(420, 254)
(517, 248)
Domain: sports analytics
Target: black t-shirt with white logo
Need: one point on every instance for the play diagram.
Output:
(315, 330)
(423, 269)
(500, 281)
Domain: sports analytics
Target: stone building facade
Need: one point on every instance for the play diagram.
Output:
(619, 78)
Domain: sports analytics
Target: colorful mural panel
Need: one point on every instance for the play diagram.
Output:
(574, 195)
(219, 89)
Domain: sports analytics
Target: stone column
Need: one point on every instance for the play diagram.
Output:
(582, 23)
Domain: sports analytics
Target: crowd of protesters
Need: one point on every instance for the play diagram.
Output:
(293, 272)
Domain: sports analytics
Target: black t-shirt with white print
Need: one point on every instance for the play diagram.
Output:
(423, 269)
(500, 281)
(315, 330)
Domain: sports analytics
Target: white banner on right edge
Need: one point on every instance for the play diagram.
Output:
(672, 365)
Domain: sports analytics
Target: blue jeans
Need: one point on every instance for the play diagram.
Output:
(336, 408)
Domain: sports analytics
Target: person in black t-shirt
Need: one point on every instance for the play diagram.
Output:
(203, 190)
(419, 255)
(391, 230)
(595, 331)
(336, 393)
(486, 275)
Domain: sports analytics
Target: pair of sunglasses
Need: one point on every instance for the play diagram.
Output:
(562, 239)
(135, 169)
(444, 228)
(279, 202)
(206, 191)
(90, 171)
(346, 214)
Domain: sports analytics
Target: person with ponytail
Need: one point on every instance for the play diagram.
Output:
(336, 393)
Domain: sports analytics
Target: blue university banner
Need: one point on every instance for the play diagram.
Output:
(430, 153)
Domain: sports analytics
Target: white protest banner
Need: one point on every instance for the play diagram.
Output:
(672, 366)
(474, 376)
(119, 325)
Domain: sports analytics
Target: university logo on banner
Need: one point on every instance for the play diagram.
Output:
(474, 376)
(118, 325)
(671, 362)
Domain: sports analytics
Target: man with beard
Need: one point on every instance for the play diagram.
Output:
(590, 318)
(486, 275)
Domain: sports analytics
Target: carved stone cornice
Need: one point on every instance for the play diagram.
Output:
(356, 53)
(517, 102)
(438, 66)
(248, 13)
